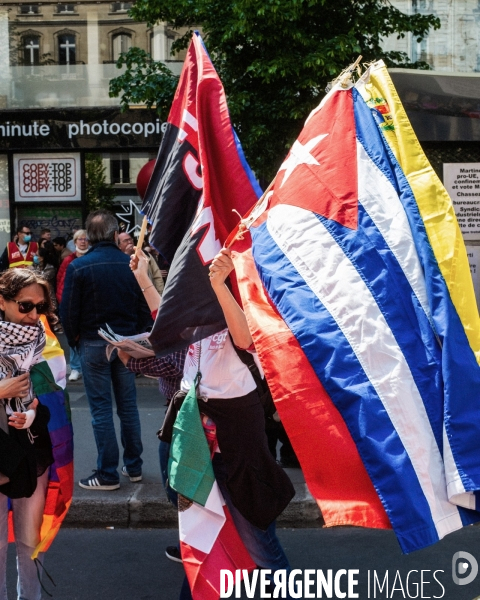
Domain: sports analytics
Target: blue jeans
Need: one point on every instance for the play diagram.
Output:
(263, 546)
(75, 360)
(27, 521)
(99, 376)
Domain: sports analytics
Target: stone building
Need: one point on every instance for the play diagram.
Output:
(56, 64)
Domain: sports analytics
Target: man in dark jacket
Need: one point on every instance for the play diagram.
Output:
(99, 289)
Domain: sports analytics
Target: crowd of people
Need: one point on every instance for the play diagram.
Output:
(99, 279)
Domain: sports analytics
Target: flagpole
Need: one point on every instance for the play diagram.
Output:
(143, 230)
(241, 226)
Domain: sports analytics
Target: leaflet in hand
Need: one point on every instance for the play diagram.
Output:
(137, 346)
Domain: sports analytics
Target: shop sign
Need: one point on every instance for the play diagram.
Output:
(462, 182)
(48, 177)
(87, 128)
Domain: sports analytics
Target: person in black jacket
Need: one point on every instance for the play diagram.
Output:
(100, 289)
(25, 445)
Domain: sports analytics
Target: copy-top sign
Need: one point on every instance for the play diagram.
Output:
(50, 177)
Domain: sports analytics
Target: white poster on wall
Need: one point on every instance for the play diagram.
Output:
(473, 253)
(462, 182)
(49, 177)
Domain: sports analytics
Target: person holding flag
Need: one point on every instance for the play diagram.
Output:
(255, 489)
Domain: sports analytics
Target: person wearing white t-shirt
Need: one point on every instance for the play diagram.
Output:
(255, 488)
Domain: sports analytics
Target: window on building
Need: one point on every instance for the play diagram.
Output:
(422, 6)
(66, 49)
(29, 9)
(120, 43)
(120, 169)
(31, 50)
(420, 50)
(121, 6)
(66, 9)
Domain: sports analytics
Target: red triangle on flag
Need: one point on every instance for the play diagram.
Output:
(320, 171)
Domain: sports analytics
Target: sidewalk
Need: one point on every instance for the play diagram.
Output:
(145, 504)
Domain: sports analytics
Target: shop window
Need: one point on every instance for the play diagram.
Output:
(31, 50)
(121, 7)
(120, 170)
(29, 9)
(120, 43)
(66, 49)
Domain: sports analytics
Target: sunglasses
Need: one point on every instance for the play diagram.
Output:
(26, 307)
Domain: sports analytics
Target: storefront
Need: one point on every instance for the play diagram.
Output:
(45, 157)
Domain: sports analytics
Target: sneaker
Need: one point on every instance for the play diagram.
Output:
(133, 478)
(74, 375)
(95, 482)
(173, 553)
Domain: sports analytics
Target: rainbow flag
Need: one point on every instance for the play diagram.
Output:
(49, 381)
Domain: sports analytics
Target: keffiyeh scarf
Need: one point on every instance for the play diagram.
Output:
(21, 347)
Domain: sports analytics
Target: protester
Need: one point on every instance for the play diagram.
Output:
(70, 240)
(60, 245)
(169, 371)
(126, 245)
(81, 248)
(232, 402)
(46, 234)
(99, 289)
(45, 263)
(25, 446)
(19, 253)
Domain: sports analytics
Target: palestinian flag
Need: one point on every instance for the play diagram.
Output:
(209, 540)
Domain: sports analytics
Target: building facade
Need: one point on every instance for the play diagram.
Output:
(57, 120)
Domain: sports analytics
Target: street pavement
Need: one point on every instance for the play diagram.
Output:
(129, 564)
(145, 504)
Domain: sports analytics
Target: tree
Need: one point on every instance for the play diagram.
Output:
(99, 194)
(275, 58)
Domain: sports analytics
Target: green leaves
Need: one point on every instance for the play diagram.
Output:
(99, 194)
(274, 57)
(144, 81)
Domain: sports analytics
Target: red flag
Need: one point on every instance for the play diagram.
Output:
(201, 175)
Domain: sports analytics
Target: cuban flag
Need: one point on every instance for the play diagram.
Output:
(371, 357)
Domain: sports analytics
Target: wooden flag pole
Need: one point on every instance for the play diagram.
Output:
(242, 226)
(143, 230)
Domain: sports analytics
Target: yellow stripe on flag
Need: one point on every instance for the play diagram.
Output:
(434, 203)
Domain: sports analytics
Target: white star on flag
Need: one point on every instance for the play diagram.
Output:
(300, 155)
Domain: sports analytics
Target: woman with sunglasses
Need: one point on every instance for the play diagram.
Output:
(25, 445)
